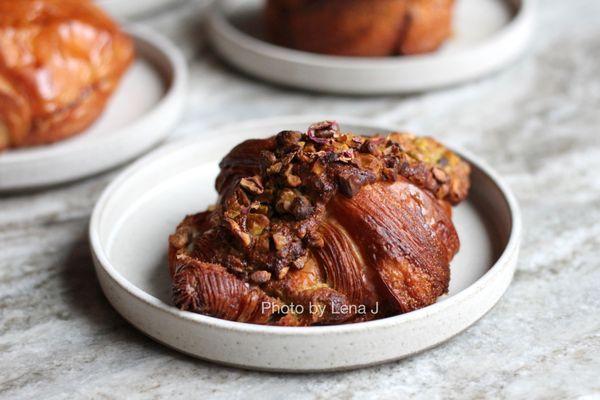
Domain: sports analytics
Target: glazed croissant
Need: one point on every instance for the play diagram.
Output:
(360, 27)
(60, 60)
(322, 227)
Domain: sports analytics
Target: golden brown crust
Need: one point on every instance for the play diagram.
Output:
(327, 219)
(428, 25)
(45, 97)
(399, 240)
(360, 27)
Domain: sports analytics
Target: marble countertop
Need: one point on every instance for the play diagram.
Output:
(537, 123)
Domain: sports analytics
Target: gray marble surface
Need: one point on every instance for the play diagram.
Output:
(538, 123)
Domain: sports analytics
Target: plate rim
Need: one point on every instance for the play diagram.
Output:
(512, 246)
(174, 91)
(115, 8)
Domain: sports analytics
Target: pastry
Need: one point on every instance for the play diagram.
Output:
(373, 28)
(60, 61)
(322, 227)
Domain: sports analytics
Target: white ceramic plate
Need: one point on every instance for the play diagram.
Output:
(133, 218)
(143, 110)
(135, 8)
(488, 34)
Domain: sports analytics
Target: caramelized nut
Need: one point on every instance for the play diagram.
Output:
(370, 147)
(321, 132)
(309, 148)
(242, 198)
(301, 231)
(252, 184)
(257, 223)
(324, 129)
(179, 239)
(259, 208)
(284, 201)
(299, 262)
(287, 139)
(293, 181)
(318, 167)
(244, 238)
(280, 240)
(369, 162)
(263, 243)
(234, 228)
(350, 183)
(440, 175)
(286, 160)
(301, 207)
(346, 155)
(282, 272)
(268, 157)
(315, 240)
(260, 276)
(390, 174)
(275, 168)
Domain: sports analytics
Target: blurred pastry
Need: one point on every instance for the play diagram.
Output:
(60, 61)
(360, 27)
(322, 227)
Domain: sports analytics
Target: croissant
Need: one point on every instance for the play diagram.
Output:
(322, 227)
(60, 60)
(360, 27)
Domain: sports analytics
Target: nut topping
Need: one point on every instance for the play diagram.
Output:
(315, 240)
(257, 223)
(260, 276)
(351, 181)
(275, 168)
(282, 272)
(299, 263)
(280, 240)
(272, 216)
(301, 207)
(252, 184)
(288, 139)
(440, 175)
(234, 228)
(291, 179)
(370, 147)
(284, 201)
(322, 131)
(268, 157)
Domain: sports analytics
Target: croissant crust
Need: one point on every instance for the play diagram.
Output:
(60, 60)
(360, 27)
(322, 227)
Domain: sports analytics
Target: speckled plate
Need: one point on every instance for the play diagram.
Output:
(488, 35)
(142, 111)
(136, 8)
(136, 213)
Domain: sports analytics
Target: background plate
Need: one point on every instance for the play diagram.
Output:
(136, 8)
(142, 111)
(488, 35)
(133, 218)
